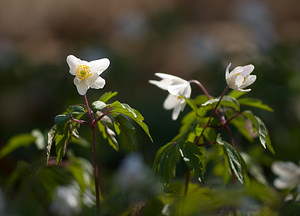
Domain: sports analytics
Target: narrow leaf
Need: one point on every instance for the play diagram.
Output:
(236, 162)
(236, 94)
(99, 105)
(20, 140)
(254, 103)
(106, 96)
(61, 120)
(51, 134)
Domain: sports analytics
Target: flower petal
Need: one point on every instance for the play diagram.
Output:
(98, 83)
(176, 112)
(227, 71)
(177, 89)
(163, 84)
(73, 63)
(81, 86)
(247, 70)
(100, 65)
(170, 102)
(284, 168)
(249, 80)
(167, 76)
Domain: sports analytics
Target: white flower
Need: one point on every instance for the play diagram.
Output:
(288, 175)
(66, 200)
(240, 77)
(87, 73)
(177, 88)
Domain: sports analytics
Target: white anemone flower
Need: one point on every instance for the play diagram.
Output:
(177, 88)
(288, 175)
(239, 78)
(87, 73)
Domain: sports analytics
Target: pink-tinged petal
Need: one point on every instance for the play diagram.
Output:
(227, 71)
(249, 80)
(98, 66)
(73, 63)
(176, 112)
(247, 70)
(98, 83)
(171, 102)
(81, 86)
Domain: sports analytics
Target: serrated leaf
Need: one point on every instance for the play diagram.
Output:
(226, 101)
(107, 96)
(125, 109)
(76, 109)
(236, 162)
(253, 102)
(194, 157)
(51, 134)
(99, 105)
(165, 161)
(261, 129)
(20, 140)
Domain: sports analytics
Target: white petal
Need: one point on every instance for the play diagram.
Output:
(247, 70)
(167, 76)
(163, 84)
(73, 63)
(81, 86)
(171, 101)
(98, 66)
(227, 71)
(177, 89)
(176, 112)
(285, 169)
(236, 70)
(98, 83)
(242, 90)
(239, 79)
(187, 91)
(249, 80)
(281, 184)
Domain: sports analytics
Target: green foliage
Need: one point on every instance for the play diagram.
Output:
(236, 162)
(165, 161)
(16, 142)
(117, 108)
(227, 101)
(194, 157)
(254, 103)
(107, 96)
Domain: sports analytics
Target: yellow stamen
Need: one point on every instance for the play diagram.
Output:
(242, 76)
(179, 97)
(83, 72)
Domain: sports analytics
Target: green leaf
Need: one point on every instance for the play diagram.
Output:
(236, 162)
(61, 120)
(261, 129)
(194, 157)
(108, 134)
(236, 94)
(51, 134)
(76, 109)
(125, 109)
(127, 133)
(240, 124)
(61, 143)
(99, 105)
(227, 101)
(254, 103)
(165, 161)
(20, 140)
(107, 96)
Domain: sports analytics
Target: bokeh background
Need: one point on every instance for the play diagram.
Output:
(192, 39)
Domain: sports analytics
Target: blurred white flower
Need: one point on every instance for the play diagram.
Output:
(66, 200)
(288, 175)
(87, 73)
(239, 78)
(134, 175)
(177, 88)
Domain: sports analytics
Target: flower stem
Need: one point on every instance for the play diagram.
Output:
(201, 86)
(211, 115)
(96, 175)
(88, 108)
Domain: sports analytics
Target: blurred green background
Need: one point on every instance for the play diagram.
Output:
(191, 39)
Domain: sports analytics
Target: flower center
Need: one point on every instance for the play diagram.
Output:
(83, 72)
(242, 76)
